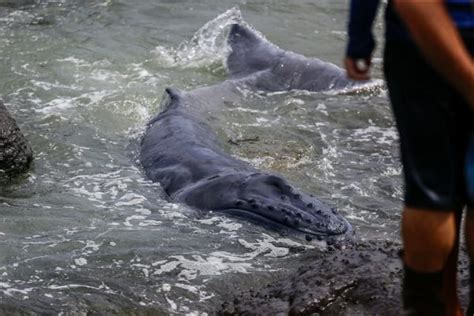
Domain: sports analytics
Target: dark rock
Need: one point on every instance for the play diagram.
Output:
(364, 279)
(15, 152)
(16, 3)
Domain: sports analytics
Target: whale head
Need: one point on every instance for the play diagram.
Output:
(267, 199)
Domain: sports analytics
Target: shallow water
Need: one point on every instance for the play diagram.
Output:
(84, 230)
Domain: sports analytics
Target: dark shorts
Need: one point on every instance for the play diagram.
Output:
(434, 124)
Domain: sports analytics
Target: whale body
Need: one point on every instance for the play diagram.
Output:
(181, 151)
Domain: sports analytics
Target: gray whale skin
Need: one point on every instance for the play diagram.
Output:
(182, 152)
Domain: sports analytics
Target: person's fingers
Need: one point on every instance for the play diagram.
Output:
(354, 70)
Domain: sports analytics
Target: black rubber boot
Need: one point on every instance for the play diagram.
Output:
(421, 293)
(470, 309)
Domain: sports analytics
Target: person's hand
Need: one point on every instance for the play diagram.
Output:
(357, 69)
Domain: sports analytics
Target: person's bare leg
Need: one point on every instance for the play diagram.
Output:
(469, 236)
(450, 270)
(429, 240)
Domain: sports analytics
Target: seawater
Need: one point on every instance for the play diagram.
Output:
(84, 230)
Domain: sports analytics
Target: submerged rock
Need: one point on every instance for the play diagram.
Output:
(15, 152)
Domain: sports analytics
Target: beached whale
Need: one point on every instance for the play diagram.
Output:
(181, 151)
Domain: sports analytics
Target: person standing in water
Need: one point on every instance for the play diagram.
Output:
(429, 69)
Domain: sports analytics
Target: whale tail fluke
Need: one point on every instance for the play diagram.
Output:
(250, 52)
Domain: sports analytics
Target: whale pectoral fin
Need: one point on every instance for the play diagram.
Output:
(251, 52)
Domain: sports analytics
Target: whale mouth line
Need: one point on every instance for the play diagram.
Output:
(280, 225)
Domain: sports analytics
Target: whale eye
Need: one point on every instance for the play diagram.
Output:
(310, 205)
(270, 208)
(297, 196)
(299, 215)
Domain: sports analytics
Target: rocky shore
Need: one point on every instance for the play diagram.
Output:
(363, 279)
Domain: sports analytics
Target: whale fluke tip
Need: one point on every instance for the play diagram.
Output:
(250, 52)
(237, 29)
(243, 37)
(240, 30)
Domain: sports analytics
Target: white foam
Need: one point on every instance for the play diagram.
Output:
(80, 261)
(379, 135)
(131, 199)
(131, 218)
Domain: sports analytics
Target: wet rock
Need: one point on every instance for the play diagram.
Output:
(15, 3)
(15, 152)
(364, 279)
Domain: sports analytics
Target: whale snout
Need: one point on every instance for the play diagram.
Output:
(273, 199)
(266, 199)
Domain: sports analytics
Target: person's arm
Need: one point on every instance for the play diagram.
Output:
(434, 32)
(361, 40)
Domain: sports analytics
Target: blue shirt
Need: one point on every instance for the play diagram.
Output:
(362, 16)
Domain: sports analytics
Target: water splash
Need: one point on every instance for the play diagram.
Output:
(206, 48)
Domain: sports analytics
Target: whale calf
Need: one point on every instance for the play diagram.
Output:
(181, 151)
